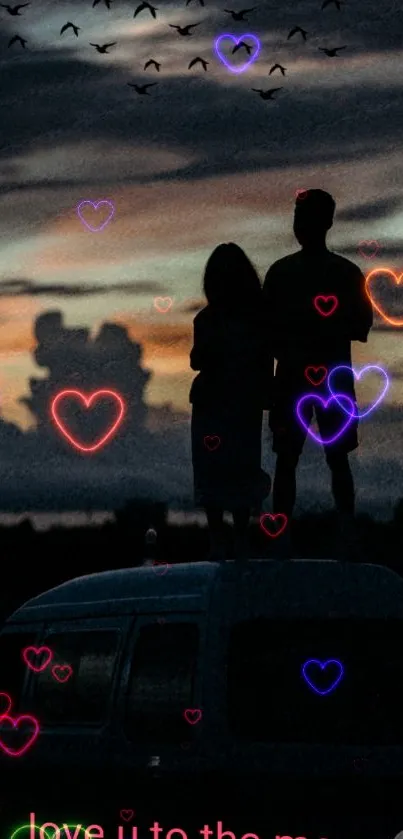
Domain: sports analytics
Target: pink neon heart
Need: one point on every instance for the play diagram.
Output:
(126, 815)
(237, 41)
(62, 672)
(192, 715)
(95, 205)
(9, 704)
(34, 652)
(15, 721)
(322, 300)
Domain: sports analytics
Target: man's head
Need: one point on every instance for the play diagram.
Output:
(313, 216)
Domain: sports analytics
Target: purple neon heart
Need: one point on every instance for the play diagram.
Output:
(357, 376)
(325, 403)
(237, 41)
(323, 666)
(95, 205)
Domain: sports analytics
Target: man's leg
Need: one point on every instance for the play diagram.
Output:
(215, 521)
(342, 482)
(241, 517)
(285, 484)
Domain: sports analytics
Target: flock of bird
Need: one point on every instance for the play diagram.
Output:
(184, 31)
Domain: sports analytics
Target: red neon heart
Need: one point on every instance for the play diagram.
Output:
(301, 194)
(273, 533)
(312, 377)
(126, 815)
(34, 652)
(366, 250)
(163, 304)
(9, 704)
(65, 394)
(64, 670)
(160, 567)
(376, 305)
(192, 715)
(325, 298)
(15, 722)
(212, 442)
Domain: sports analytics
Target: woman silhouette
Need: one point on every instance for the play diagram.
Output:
(228, 396)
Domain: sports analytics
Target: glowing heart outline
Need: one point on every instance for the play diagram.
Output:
(87, 402)
(273, 517)
(95, 205)
(325, 402)
(322, 667)
(37, 651)
(398, 279)
(325, 298)
(15, 721)
(58, 667)
(237, 41)
(315, 370)
(357, 376)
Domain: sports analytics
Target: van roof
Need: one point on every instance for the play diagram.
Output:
(189, 586)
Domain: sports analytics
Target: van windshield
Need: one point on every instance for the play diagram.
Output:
(317, 681)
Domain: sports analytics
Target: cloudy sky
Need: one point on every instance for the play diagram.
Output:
(201, 160)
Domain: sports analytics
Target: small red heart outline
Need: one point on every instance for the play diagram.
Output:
(126, 815)
(210, 446)
(325, 298)
(301, 194)
(192, 713)
(5, 713)
(160, 566)
(167, 302)
(397, 279)
(15, 721)
(273, 517)
(365, 242)
(87, 402)
(315, 370)
(59, 667)
(37, 651)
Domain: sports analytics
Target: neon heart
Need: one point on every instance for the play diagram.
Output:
(87, 402)
(163, 304)
(322, 666)
(325, 403)
(366, 250)
(301, 194)
(160, 568)
(192, 715)
(273, 517)
(319, 379)
(212, 442)
(237, 41)
(322, 299)
(357, 376)
(15, 722)
(62, 672)
(126, 815)
(3, 713)
(376, 305)
(95, 205)
(35, 652)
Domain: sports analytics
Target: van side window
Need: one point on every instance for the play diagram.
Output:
(12, 664)
(83, 698)
(161, 683)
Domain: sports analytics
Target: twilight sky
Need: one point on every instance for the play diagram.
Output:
(200, 161)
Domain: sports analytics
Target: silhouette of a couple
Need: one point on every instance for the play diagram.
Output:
(237, 336)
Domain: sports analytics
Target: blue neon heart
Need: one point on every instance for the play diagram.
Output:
(323, 666)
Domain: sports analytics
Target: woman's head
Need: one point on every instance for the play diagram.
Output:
(230, 280)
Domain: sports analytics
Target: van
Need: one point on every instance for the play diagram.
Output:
(272, 689)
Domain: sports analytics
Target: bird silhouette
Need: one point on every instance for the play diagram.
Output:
(70, 26)
(332, 53)
(103, 47)
(142, 88)
(184, 30)
(266, 94)
(107, 3)
(242, 44)
(156, 64)
(337, 3)
(297, 29)
(17, 38)
(239, 15)
(189, 1)
(151, 9)
(14, 10)
(277, 67)
(198, 59)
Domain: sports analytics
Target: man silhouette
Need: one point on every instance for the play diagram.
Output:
(304, 337)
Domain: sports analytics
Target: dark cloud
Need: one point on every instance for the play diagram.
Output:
(28, 288)
(372, 211)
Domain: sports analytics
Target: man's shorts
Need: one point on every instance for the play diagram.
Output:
(289, 434)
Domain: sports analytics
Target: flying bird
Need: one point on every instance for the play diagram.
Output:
(266, 94)
(142, 88)
(156, 64)
(297, 29)
(337, 3)
(103, 47)
(240, 15)
(332, 53)
(151, 9)
(14, 10)
(201, 60)
(17, 38)
(189, 1)
(70, 26)
(107, 3)
(184, 30)
(242, 44)
(277, 67)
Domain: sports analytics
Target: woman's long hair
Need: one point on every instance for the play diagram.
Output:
(230, 281)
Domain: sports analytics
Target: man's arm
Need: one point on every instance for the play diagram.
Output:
(270, 308)
(361, 314)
